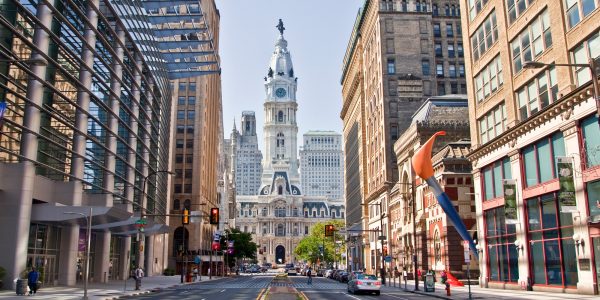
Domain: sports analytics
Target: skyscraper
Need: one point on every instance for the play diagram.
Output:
(248, 158)
(321, 164)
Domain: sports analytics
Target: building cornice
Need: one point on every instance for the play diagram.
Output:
(563, 107)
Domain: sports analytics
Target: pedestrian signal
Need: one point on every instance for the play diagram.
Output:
(214, 215)
(185, 219)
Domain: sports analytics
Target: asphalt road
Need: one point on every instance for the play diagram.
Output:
(249, 287)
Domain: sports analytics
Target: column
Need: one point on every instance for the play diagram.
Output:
(102, 256)
(15, 209)
(133, 141)
(125, 257)
(67, 270)
(146, 170)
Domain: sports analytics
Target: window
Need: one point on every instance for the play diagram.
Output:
(182, 87)
(537, 94)
(453, 88)
(391, 66)
(179, 158)
(177, 189)
(492, 176)
(593, 191)
(532, 41)
(447, 10)
(455, 10)
(503, 262)
(188, 173)
(191, 114)
(189, 143)
(177, 204)
(551, 243)
(181, 100)
(589, 48)
(489, 79)
(392, 87)
(188, 189)
(434, 8)
(191, 100)
(179, 143)
(180, 128)
(389, 45)
(180, 114)
(450, 50)
(189, 159)
(441, 89)
(280, 117)
(461, 70)
(458, 29)
(449, 30)
(394, 132)
(436, 30)
(438, 49)
(475, 6)
(484, 36)
(452, 71)
(537, 156)
(459, 49)
(192, 87)
(577, 10)
(439, 70)
(190, 128)
(425, 67)
(516, 8)
(590, 135)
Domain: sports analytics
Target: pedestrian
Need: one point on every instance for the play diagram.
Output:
(309, 274)
(195, 274)
(32, 280)
(444, 276)
(139, 273)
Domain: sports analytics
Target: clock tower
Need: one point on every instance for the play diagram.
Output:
(280, 129)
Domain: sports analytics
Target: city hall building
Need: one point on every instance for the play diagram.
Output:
(281, 215)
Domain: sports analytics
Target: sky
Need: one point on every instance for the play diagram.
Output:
(317, 32)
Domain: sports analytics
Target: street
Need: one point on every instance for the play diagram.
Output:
(250, 286)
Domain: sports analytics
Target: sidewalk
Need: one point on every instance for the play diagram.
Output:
(462, 293)
(101, 291)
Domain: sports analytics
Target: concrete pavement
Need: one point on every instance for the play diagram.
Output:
(113, 289)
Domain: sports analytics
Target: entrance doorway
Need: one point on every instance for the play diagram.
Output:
(280, 254)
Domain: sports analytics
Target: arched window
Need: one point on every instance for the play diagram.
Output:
(404, 5)
(280, 140)
(280, 116)
(178, 241)
(177, 204)
(187, 203)
(447, 10)
(434, 9)
(264, 212)
(280, 190)
(437, 247)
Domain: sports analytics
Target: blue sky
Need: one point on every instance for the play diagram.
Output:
(317, 32)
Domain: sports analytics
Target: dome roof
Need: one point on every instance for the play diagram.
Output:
(281, 60)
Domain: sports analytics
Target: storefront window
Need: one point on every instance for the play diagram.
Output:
(593, 197)
(493, 175)
(590, 133)
(552, 250)
(537, 156)
(503, 261)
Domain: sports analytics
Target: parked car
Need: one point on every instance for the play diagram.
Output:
(328, 273)
(364, 283)
(343, 277)
(321, 273)
(336, 275)
(254, 269)
(292, 272)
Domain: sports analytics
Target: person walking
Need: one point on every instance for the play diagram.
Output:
(195, 274)
(309, 274)
(139, 274)
(32, 278)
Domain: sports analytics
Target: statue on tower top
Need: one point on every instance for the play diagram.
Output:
(280, 26)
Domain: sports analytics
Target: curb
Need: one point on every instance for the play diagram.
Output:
(428, 294)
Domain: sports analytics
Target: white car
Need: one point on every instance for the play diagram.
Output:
(328, 273)
(292, 272)
(364, 283)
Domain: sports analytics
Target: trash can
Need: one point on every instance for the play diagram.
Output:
(429, 282)
(21, 286)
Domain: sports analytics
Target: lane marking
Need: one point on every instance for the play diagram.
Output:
(221, 291)
(351, 296)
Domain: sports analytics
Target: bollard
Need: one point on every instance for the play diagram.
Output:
(448, 289)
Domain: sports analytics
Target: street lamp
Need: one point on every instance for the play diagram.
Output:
(593, 65)
(380, 238)
(141, 237)
(87, 249)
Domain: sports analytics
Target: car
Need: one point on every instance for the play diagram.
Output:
(364, 283)
(328, 273)
(321, 273)
(292, 272)
(343, 277)
(254, 269)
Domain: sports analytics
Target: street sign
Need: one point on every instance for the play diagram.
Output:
(382, 237)
(195, 216)
(466, 252)
(142, 221)
(388, 259)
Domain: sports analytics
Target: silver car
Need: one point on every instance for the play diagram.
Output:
(364, 283)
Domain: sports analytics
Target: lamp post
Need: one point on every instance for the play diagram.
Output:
(593, 65)
(380, 238)
(86, 273)
(142, 205)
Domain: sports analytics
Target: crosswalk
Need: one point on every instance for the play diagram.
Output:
(259, 284)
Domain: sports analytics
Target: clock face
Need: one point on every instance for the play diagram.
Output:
(280, 92)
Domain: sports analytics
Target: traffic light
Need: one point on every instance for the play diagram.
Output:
(214, 215)
(329, 230)
(185, 219)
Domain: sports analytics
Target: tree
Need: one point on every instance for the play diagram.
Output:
(310, 248)
(244, 247)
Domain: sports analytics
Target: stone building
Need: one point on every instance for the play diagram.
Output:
(247, 157)
(526, 124)
(281, 215)
(399, 54)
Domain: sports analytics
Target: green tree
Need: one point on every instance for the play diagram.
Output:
(310, 247)
(244, 247)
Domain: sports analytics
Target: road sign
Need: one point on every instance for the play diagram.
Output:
(382, 237)
(466, 252)
(142, 221)
(388, 259)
